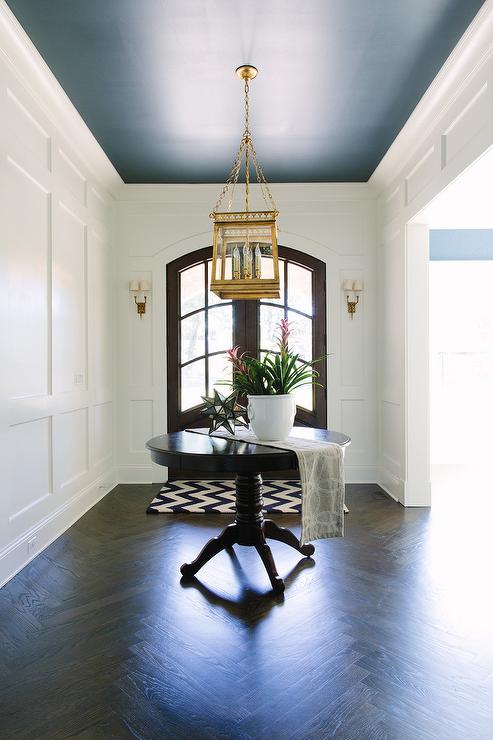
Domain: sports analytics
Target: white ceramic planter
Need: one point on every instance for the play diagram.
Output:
(272, 417)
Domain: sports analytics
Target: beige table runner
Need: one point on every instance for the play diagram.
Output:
(321, 467)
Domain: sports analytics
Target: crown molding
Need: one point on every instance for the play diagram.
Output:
(468, 56)
(17, 49)
(284, 192)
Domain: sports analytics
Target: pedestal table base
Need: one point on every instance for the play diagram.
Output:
(249, 528)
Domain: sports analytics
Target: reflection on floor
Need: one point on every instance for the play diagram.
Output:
(385, 634)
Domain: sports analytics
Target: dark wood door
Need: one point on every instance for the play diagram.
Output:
(201, 327)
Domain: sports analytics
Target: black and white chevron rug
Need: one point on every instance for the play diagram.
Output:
(218, 497)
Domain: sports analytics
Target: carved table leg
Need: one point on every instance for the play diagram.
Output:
(227, 538)
(249, 528)
(265, 553)
(274, 532)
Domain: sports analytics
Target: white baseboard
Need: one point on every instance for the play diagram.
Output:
(142, 474)
(14, 556)
(391, 484)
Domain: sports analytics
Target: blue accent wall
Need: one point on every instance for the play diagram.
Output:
(461, 244)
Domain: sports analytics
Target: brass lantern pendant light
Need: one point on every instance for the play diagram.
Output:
(245, 261)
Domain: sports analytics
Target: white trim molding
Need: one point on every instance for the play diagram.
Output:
(29, 67)
(13, 557)
(469, 55)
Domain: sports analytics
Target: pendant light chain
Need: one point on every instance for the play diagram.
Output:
(246, 137)
(246, 146)
(232, 179)
(264, 187)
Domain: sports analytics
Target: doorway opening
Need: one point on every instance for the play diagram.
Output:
(461, 359)
(450, 338)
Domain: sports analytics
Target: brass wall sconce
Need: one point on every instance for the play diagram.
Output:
(136, 287)
(351, 288)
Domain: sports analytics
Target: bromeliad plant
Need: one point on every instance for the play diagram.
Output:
(278, 373)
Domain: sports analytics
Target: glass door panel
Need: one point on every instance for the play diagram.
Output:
(220, 328)
(192, 384)
(301, 340)
(219, 370)
(192, 289)
(205, 332)
(300, 291)
(270, 317)
(192, 336)
(304, 397)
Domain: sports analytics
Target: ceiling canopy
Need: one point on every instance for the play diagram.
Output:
(154, 79)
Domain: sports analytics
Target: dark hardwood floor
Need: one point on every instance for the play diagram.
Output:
(385, 634)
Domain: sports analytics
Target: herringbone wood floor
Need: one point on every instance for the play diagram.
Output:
(386, 635)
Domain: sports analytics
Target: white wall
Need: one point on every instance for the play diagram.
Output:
(156, 224)
(450, 128)
(56, 420)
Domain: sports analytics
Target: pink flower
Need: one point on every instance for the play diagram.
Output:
(235, 360)
(283, 340)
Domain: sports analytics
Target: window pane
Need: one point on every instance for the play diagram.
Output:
(192, 289)
(192, 384)
(304, 397)
(300, 288)
(219, 369)
(220, 330)
(193, 336)
(300, 340)
(270, 317)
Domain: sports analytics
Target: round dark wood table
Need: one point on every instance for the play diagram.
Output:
(190, 450)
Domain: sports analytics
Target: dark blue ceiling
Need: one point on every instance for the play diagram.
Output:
(154, 79)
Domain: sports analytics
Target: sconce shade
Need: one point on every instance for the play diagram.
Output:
(144, 285)
(347, 285)
(133, 285)
(358, 285)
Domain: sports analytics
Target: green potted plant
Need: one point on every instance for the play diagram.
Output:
(269, 385)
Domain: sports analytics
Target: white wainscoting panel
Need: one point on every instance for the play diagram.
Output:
(56, 410)
(101, 299)
(352, 335)
(70, 175)
(422, 173)
(30, 482)
(70, 446)
(103, 432)
(468, 122)
(24, 126)
(28, 283)
(352, 412)
(140, 424)
(69, 301)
